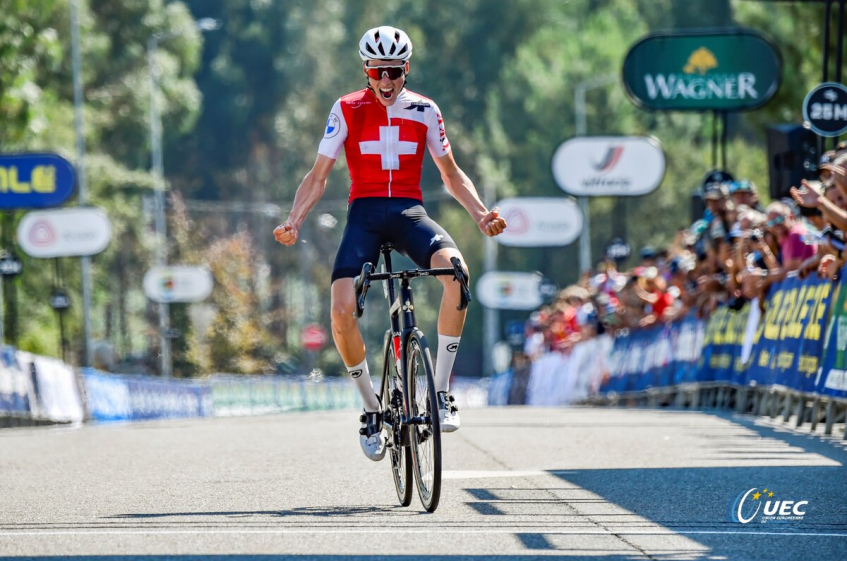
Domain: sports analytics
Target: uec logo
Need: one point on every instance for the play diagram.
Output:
(744, 511)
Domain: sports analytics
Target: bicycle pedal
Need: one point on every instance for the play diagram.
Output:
(363, 431)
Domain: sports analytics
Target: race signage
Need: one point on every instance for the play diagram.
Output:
(71, 232)
(825, 109)
(618, 250)
(10, 265)
(313, 337)
(60, 301)
(609, 166)
(731, 70)
(178, 284)
(541, 221)
(510, 291)
(35, 180)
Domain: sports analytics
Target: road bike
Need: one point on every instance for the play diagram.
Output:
(407, 390)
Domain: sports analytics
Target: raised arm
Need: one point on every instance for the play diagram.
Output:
(462, 188)
(309, 192)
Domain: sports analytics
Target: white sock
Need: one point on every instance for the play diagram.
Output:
(362, 378)
(447, 349)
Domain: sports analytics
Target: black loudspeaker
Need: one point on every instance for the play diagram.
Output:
(698, 205)
(792, 156)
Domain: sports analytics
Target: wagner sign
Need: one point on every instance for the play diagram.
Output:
(35, 180)
(609, 166)
(732, 70)
(71, 232)
(540, 221)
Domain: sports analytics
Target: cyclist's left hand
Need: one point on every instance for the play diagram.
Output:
(492, 224)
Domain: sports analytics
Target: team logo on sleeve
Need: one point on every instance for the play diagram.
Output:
(442, 133)
(333, 125)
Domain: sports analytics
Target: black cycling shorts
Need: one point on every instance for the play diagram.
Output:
(373, 221)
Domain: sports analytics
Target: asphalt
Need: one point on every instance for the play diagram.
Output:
(519, 483)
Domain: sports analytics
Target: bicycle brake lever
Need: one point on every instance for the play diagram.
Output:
(461, 275)
(361, 284)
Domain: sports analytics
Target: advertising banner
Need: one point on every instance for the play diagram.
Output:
(608, 166)
(723, 342)
(113, 397)
(510, 291)
(178, 284)
(71, 232)
(658, 356)
(540, 222)
(16, 391)
(35, 180)
(723, 70)
(57, 395)
(788, 344)
(832, 376)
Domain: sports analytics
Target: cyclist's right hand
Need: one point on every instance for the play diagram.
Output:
(286, 233)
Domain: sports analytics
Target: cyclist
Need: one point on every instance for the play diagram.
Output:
(383, 129)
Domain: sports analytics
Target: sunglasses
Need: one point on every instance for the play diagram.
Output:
(775, 221)
(377, 72)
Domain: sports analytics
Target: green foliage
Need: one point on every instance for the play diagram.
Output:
(503, 73)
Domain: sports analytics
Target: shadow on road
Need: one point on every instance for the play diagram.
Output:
(322, 511)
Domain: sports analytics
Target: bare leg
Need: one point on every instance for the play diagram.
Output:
(450, 320)
(348, 340)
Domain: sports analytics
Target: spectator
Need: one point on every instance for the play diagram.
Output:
(789, 233)
(744, 193)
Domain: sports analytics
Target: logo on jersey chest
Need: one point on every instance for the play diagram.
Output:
(419, 105)
(389, 147)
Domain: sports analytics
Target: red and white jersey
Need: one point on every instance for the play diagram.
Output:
(384, 145)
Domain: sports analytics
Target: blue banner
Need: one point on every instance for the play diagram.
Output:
(113, 397)
(658, 356)
(788, 344)
(832, 376)
(720, 360)
(35, 180)
(15, 385)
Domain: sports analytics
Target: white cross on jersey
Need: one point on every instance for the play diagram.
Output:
(389, 146)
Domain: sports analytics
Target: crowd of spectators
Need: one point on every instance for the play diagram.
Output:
(731, 256)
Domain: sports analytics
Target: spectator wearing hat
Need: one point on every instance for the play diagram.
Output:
(652, 290)
(744, 193)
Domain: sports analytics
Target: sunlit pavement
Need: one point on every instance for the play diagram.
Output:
(519, 482)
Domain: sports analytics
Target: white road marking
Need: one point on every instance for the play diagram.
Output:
(418, 531)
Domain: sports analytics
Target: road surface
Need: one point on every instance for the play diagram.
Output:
(520, 483)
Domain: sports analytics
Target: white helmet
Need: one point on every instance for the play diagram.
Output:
(385, 42)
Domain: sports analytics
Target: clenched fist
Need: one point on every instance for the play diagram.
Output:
(286, 233)
(492, 224)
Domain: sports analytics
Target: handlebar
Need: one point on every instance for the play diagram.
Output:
(362, 282)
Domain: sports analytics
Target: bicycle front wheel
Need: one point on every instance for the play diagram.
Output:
(425, 427)
(392, 403)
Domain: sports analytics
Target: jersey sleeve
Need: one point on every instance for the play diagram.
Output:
(436, 136)
(335, 133)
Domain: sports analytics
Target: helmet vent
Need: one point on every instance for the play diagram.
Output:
(381, 50)
(370, 50)
(403, 50)
(393, 48)
(396, 36)
(376, 35)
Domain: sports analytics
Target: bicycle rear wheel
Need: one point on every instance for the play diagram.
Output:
(399, 452)
(425, 431)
